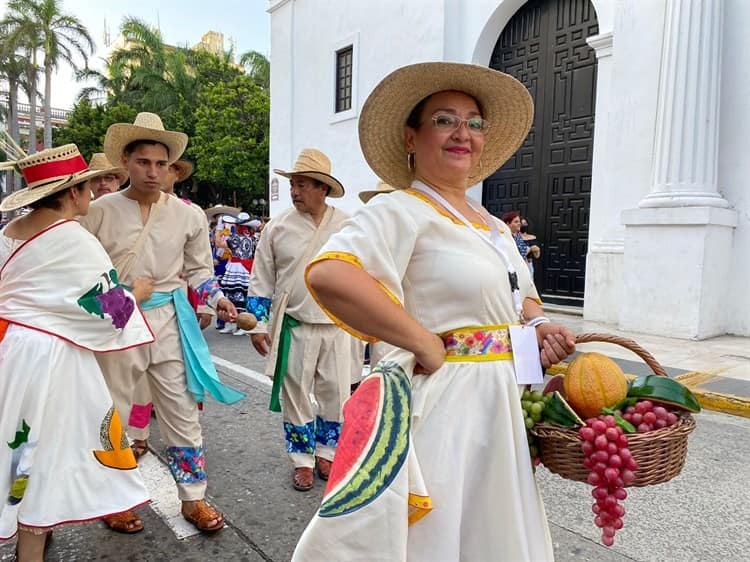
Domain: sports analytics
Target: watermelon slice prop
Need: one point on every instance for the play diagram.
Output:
(374, 441)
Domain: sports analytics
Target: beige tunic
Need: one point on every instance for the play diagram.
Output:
(177, 245)
(282, 244)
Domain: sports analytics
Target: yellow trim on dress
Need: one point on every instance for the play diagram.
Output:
(419, 506)
(355, 261)
(427, 199)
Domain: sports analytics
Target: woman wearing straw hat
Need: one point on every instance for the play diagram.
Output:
(62, 454)
(434, 462)
(111, 178)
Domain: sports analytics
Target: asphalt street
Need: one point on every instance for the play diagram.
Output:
(700, 515)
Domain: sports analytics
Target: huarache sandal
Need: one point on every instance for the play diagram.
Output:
(303, 478)
(323, 466)
(201, 517)
(126, 522)
(139, 447)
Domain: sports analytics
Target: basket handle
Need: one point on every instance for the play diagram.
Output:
(627, 344)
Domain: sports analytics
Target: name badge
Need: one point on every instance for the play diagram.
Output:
(526, 355)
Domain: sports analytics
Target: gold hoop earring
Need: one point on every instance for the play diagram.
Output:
(410, 160)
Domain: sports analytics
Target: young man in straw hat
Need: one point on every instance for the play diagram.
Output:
(108, 182)
(306, 351)
(148, 233)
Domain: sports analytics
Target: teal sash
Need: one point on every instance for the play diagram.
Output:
(285, 342)
(199, 368)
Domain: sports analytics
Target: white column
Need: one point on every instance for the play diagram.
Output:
(678, 241)
(687, 127)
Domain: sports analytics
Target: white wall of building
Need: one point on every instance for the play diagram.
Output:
(392, 33)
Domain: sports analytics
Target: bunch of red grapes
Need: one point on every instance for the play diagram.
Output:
(647, 417)
(612, 467)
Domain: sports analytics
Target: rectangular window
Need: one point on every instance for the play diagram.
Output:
(344, 72)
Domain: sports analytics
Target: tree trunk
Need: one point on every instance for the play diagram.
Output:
(47, 103)
(32, 104)
(15, 182)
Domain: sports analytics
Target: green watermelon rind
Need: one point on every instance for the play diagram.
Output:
(388, 451)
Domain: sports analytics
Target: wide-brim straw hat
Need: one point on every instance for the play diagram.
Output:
(184, 169)
(147, 126)
(381, 188)
(504, 102)
(221, 210)
(314, 164)
(47, 172)
(99, 161)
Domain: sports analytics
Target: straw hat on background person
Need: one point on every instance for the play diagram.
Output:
(221, 210)
(314, 164)
(47, 172)
(99, 161)
(381, 188)
(147, 126)
(184, 169)
(503, 101)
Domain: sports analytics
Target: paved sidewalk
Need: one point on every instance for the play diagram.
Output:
(717, 370)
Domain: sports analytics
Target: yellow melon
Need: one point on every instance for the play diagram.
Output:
(593, 381)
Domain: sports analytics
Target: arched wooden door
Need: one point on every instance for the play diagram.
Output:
(549, 178)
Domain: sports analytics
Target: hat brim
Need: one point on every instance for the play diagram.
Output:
(365, 196)
(505, 103)
(121, 173)
(222, 210)
(184, 169)
(120, 135)
(27, 196)
(337, 190)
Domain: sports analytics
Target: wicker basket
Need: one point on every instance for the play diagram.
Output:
(660, 454)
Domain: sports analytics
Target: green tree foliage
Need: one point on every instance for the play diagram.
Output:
(231, 137)
(88, 124)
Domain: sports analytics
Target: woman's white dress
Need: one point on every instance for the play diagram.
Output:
(464, 479)
(63, 454)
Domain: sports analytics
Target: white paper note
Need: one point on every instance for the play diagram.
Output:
(526, 355)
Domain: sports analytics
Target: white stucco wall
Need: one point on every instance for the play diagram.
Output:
(734, 162)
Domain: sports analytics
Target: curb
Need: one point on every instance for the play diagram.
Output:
(724, 403)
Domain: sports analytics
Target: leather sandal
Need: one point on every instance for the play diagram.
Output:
(324, 467)
(201, 517)
(126, 522)
(303, 478)
(139, 448)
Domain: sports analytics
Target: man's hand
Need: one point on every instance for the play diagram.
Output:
(226, 310)
(204, 320)
(143, 288)
(261, 343)
(555, 341)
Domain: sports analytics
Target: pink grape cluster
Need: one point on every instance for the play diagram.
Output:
(612, 467)
(647, 417)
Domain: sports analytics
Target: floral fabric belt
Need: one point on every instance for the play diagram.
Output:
(480, 343)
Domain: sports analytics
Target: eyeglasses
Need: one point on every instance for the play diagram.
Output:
(447, 122)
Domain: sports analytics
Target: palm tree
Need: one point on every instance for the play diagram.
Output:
(20, 34)
(62, 37)
(259, 68)
(13, 71)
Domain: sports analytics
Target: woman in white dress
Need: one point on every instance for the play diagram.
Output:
(64, 457)
(433, 461)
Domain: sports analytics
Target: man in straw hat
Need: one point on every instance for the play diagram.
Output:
(308, 353)
(148, 233)
(110, 180)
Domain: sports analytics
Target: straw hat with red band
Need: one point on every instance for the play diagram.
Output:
(146, 127)
(48, 172)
